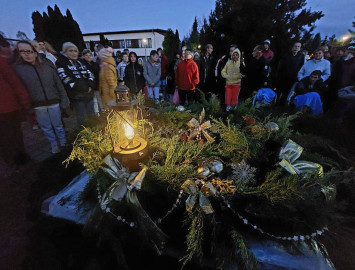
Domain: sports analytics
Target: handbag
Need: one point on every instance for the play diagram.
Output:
(176, 98)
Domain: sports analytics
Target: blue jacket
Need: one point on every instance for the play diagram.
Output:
(312, 65)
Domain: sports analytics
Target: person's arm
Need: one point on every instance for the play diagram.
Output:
(146, 75)
(110, 77)
(300, 74)
(19, 89)
(326, 72)
(195, 75)
(224, 72)
(64, 101)
(156, 78)
(65, 75)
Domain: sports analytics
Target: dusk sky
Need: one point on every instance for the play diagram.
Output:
(111, 15)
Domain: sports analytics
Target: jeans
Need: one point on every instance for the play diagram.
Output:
(83, 109)
(153, 92)
(50, 121)
(98, 106)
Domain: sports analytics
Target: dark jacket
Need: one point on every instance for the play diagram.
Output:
(14, 96)
(133, 77)
(76, 77)
(305, 86)
(95, 70)
(290, 65)
(255, 76)
(43, 84)
(207, 68)
(164, 66)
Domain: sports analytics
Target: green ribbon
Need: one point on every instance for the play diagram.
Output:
(289, 154)
(191, 188)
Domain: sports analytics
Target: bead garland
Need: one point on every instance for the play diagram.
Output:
(131, 223)
(289, 238)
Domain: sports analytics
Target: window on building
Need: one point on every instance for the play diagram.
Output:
(138, 43)
(118, 44)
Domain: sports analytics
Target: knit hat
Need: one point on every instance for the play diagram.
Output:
(68, 45)
(267, 41)
(85, 51)
(105, 52)
(190, 51)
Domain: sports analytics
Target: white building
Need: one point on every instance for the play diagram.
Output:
(139, 41)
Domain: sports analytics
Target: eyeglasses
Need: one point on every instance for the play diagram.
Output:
(26, 52)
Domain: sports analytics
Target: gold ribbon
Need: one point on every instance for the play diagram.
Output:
(199, 127)
(289, 154)
(191, 188)
(125, 182)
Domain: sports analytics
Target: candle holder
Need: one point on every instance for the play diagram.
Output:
(133, 150)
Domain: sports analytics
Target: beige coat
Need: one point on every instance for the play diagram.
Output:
(108, 80)
(231, 71)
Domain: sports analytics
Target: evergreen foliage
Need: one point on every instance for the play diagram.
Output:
(248, 22)
(194, 38)
(57, 28)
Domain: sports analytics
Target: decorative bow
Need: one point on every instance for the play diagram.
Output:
(191, 188)
(199, 128)
(126, 184)
(289, 153)
(124, 181)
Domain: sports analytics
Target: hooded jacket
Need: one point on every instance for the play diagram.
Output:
(231, 71)
(43, 84)
(152, 73)
(76, 77)
(108, 80)
(186, 75)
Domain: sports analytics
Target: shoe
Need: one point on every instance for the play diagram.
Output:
(228, 108)
(55, 148)
(157, 101)
(35, 127)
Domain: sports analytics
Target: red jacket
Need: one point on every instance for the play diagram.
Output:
(13, 93)
(164, 66)
(186, 75)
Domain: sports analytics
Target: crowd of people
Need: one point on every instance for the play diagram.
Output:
(36, 79)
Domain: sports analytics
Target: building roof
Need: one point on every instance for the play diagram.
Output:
(160, 31)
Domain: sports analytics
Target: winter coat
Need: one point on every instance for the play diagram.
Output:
(108, 80)
(134, 78)
(95, 70)
(152, 73)
(207, 68)
(289, 66)
(231, 71)
(255, 76)
(164, 66)
(76, 77)
(187, 75)
(43, 84)
(14, 96)
(305, 86)
(268, 55)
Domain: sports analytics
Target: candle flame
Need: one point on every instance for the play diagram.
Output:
(129, 132)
